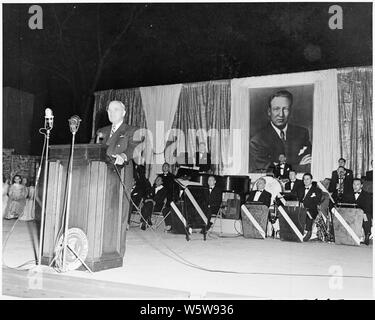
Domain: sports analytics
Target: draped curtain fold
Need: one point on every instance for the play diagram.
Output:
(203, 114)
(355, 120)
(160, 105)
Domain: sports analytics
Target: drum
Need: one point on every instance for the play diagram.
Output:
(273, 186)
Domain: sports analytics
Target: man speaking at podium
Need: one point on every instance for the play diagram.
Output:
(119, 139)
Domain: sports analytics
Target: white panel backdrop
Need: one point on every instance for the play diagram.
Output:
(326, 143)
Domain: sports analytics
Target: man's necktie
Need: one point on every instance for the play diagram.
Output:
(112, 131)
(282, 135)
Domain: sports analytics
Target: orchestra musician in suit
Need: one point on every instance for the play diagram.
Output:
(171, 188)
(203, 158)
(293, 184)
(118, 137)
(281, 169)
(154, 202)
(214, 199)
(260, 195)
(310, 196)
(363, 200)
(279, 136)
(335, 174)
(341, 184)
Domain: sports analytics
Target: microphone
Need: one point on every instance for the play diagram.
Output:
(48, 119)
(74, 122)
(99, 137)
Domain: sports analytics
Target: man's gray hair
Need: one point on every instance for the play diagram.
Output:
(120, 103)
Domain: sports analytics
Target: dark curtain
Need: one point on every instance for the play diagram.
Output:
(355, 116)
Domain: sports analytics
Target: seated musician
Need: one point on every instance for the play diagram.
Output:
(203, 159)
(154, 202)
(214, 199)
(363, 200)
(260, 195)
(281, 169)
(141, 185)
(171, 188)
(341, 184)
(310, 196)
(293, 183)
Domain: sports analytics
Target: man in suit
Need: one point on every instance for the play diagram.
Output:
(341, 184)
(363, 200)
(154, 202)
(119, 136)
(310, 196)
(280, 137)
(120, 143)
(260, 195)
(293, 184)
(334, 175)
(171, 188)
(214, 199)
(281, 169)
(203, 158)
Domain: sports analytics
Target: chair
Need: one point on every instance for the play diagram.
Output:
(136, 212)
(218, 215)
(157, 215)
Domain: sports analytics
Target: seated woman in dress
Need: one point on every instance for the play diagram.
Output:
(29, 211)
(17, 198)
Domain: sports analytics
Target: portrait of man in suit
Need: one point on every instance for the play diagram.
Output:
(278, 135)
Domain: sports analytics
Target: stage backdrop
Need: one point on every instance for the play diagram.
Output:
(325, 114)
(338, 116)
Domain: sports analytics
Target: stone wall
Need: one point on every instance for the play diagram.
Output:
(24, 165)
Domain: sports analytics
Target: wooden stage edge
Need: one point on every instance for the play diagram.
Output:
(17, 283)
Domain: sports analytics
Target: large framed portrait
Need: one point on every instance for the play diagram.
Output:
(281, 122)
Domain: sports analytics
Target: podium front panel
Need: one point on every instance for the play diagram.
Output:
(297, 216)
(353, 219)
(260, 215)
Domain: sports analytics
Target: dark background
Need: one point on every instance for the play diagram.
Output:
(85, 48)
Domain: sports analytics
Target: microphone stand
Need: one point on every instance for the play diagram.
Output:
(74, 125)
(45, 174)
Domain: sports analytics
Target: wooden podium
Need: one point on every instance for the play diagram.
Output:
(98, 204)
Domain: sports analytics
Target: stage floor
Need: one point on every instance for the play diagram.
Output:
(163, 265)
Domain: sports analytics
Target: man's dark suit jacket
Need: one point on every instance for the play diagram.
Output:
(364, 201)
(312, 199)
(121, 141)
(369, 175)
(214, 200)
(169, 184)
(204, 164)
(266, 146)
(265, 197)
(158, 198)
(348, 181)
(277, 171)
(297, 185)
